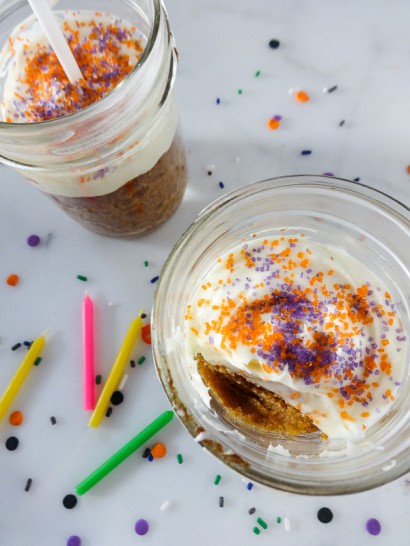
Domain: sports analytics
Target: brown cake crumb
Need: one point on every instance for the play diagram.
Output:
(251, 404)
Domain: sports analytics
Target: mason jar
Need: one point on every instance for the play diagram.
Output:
(118, 165)
(363, 224)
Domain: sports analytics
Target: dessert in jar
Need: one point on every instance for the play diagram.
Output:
(107, 149)
(292, 336)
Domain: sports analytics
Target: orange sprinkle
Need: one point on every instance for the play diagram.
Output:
(302, 96)
(346, 416)
(158, 450)
(408, 169)
(16, 418)
(13, 279)
(365, 414)
(273, 124)
(146, 334)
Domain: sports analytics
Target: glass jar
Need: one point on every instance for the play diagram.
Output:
(372, 228)
(118, 165)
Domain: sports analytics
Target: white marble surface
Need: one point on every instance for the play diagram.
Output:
(361, 46)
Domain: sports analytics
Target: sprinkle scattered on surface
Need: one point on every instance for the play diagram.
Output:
(278, 519)
(217, 479)
(257, 73)
(74, 540)
(12, 443)
(33, 240)
(273, 123)
(132, 363)
(306, 152)
(28, 485)
(70, 501)
(180, 459)
(37, 361)
(143, 315)
(158, 450)
(146, 452)
(331, 89)
(141, 527)
(117, 398)
(325, 515)
(16, 418)
(53, 420)
(240, 91)
(146, 334)
(221, 502)
(16, 346)
(146, 263)
(82, 278)
(13, 279)
(302, 96)
(141, 360)
(218, 100)
(123, 382)
(274, 44)
(221, 185)
(286, 524)
(262, 523)
(373, 526)
(341, 123)
(249, 486)
(98, 379)
(108, 412)
(256, 530)
(154, 279)
(165, 505)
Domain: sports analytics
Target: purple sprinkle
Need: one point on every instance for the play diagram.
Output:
(141, 527)
(277, 118)
(74, 540)
(154, 279)
(221, 185)
(33, 240)
(249, 486)
(373, 526)
(328, 174)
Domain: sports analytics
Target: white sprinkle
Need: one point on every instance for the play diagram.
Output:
(201, 436)
(389, 466)
(286, 524)
(165, 505)
(122, 382)
(210, 167)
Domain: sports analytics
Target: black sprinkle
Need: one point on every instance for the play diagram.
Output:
(274, 44)
(143, 315)
(147, 452)
(306, 152)
(28, 484)
(251, 511)
(53, 420)
(12, 443)
(221, 502)
(109, 411)
(117, 398)
(132, 363)
(16, 346)
(209, 173)
(154, 279)
(342, 123)
(325, 515)
(70, 501)
(98, 379)
(331, 89)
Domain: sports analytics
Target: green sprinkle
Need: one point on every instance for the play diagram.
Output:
(82, 278)
(217, 479)
(141, 360)
(98, 379)
(37, 361)
(262, 523)
(179, 458)
(278, 519)
(257, 73)
(146, 264)
(240, 91)
(256, 531)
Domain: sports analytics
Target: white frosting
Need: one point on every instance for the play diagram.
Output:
(102, 178)
(331, 344)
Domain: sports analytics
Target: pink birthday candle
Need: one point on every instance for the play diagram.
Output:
(88, 353)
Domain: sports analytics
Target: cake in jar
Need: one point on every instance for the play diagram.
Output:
(289, 335)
